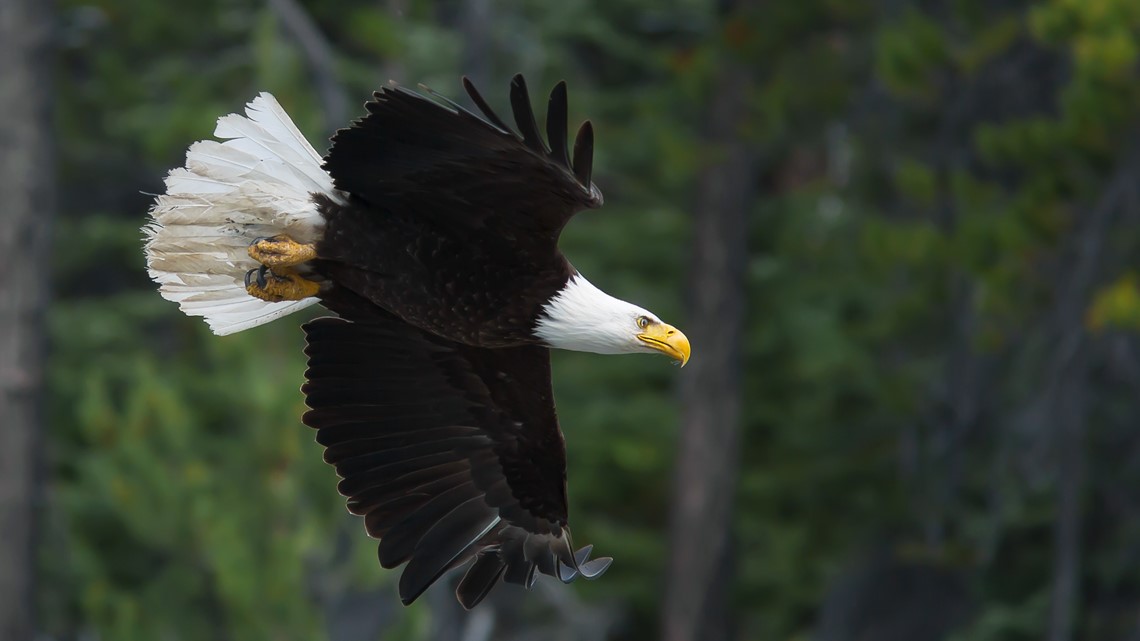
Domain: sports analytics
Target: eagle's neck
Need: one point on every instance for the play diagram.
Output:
(583, 318)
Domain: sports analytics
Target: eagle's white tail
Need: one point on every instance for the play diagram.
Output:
(257, 183)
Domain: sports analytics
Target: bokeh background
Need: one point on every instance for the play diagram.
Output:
(902, 236)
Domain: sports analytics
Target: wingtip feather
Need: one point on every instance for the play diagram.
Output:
(584, 154)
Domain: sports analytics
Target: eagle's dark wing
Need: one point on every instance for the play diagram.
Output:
(436, 159)
(449, 452)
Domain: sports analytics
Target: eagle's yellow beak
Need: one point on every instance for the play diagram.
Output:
(668, 340)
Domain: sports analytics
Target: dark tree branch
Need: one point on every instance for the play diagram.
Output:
(699, 577)
(26, 177)
(1064, 396)
(321, 59)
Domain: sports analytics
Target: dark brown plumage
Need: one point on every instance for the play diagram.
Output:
(433, 233)
(431, 393)
(448, 451)
(423, 179)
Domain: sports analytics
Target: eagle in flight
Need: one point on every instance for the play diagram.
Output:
(432, 233)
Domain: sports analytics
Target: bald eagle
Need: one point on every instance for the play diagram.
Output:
(432, 232)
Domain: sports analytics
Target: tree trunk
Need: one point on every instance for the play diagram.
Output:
(1066, 387)
(25, 182)
(699, 575)
(1070, 409)
(320, 57)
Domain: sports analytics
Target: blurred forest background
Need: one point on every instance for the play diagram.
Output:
(902, 236)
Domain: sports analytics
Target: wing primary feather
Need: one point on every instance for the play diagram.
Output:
(539, 553)
(356, 432)
(595, 568)
(444, 544)
(379, 519)
(449, 449)
(556, 124)
(383, 474)
(489, 113)
(524, 115)
(400, 543)
(584, 153)
(566, 574)
(511, 552)
(517, 572)
(583, 554)
(333, 418)
(436, 481)
(377, 497)
(460, 109)
(520, 573)
(483, 574)
(438, 97)
(355, 448)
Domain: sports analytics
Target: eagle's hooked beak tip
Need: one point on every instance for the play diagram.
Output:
(668, 340)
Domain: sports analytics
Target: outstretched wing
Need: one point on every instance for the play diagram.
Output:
(450, 453)
(434, 158)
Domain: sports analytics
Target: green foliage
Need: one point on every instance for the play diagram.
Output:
(899, 195)
(1117, 305)
(908, 52)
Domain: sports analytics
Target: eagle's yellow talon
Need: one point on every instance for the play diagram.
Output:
(281, 251)
(279, 285)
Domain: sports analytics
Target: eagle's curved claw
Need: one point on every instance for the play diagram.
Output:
(280, 285)
(256, 275)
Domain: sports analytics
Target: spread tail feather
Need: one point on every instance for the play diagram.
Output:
(259, 182)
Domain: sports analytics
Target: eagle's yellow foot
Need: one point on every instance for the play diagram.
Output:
(280, 251)
(278, 285)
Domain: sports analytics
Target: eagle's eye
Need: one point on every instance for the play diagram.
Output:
(643, 321)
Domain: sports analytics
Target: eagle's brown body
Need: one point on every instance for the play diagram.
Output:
(432, 232)
(451, 220)
(441, 250)
(432, 276)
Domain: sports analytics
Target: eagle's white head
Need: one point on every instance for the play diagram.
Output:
(583, 318)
